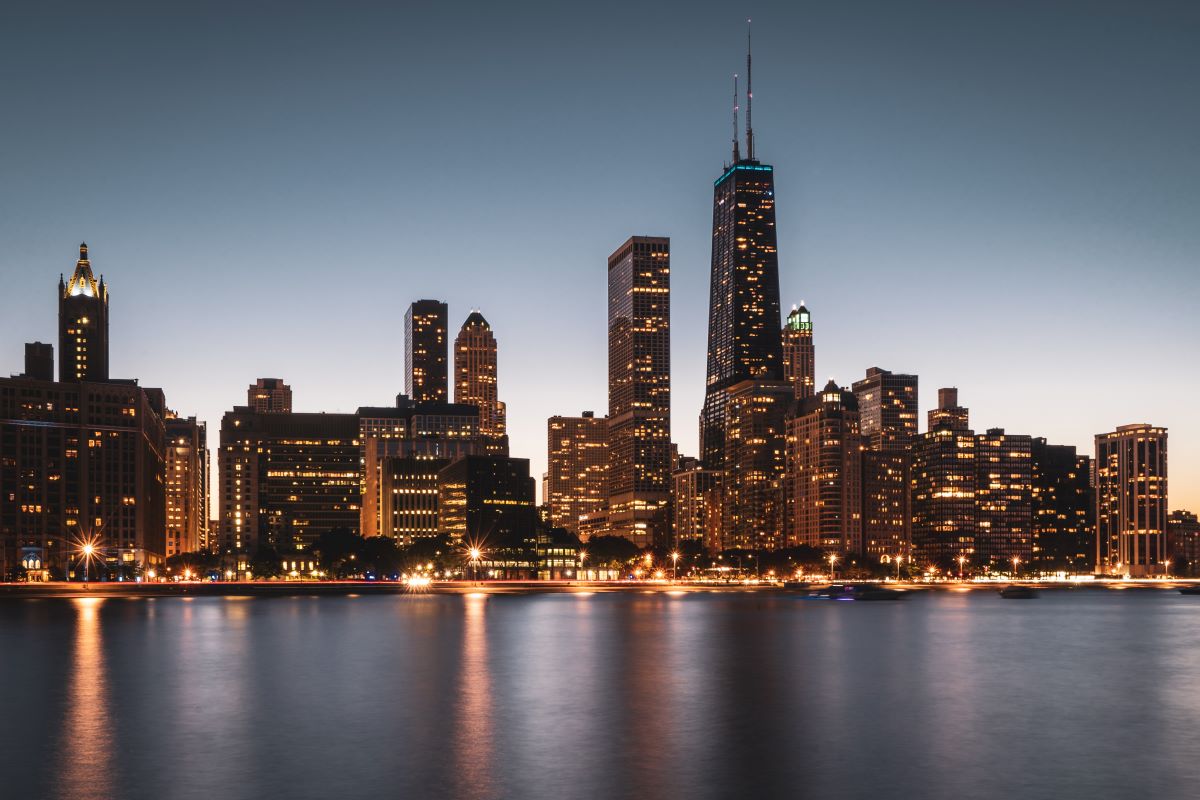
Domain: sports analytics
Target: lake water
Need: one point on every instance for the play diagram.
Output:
(1088, 694)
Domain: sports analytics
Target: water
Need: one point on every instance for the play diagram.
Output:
(1077, 694)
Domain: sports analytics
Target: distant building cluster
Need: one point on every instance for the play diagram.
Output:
(843, 471)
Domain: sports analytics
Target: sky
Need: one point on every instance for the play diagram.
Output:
(998, 196)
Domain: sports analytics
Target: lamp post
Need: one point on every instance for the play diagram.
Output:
(475, 553)
(674, 564)
(582, 558)
(832, 566)
(899, 559)
(961, 560)
(1016, 566)
(87, 550)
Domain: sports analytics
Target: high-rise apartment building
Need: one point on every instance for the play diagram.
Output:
(693, 498)
(743, 313)
(1003, 499)
(639, 389)
(1131, 500)
(475, 380)
(187, 461)
(488, 502)
(576, 486)
(823, 486)
(82, 324)
(886, 504)
(269, 396)
(425, 338)
(1183, 538)
(799, 356)
(1063, 523)
(887, 405)
(754, 464)
(943, 487)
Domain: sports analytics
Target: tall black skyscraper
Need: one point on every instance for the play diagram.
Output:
(743, 314)
(82, 324)
(425, 338)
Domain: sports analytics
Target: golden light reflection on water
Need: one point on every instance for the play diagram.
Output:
(473, 741)
(85, 748)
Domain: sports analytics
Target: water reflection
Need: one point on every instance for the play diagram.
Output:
(473, 736)
(86, 741)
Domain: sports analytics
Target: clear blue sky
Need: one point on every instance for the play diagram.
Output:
(1000, 196)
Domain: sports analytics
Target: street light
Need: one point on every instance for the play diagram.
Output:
(961, 560)
(1016, 566)
(832, 570)
(674, 564)
(899, 559)
(582, 558)
(87, 550)
(475, 553)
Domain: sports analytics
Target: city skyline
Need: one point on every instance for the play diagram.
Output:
(355, 357)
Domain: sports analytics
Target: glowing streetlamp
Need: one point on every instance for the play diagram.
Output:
(475, 554)
(961, 560)
(899, 559)
(87, 551)
(1016, 566)
(582, 558)
(832, 569)
(674, 564)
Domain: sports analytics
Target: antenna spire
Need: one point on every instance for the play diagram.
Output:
(737, 156)
(749, 99)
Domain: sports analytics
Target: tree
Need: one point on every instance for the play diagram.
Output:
(614, 551)
(337, 550)
(380, 556)
(265, 563)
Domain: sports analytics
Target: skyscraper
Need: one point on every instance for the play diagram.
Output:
(887, 403)
(475, 380)
(743, 313)
(824, 475)
(799, 358)
(577, 469)
(1131, 500)
(1064, 530)
(639, 389)
(425, 337)
(755, 460)
(1003, 499)
(187, 460)
(694, 492)
(943, 486)
(269, 395)
(82, 324)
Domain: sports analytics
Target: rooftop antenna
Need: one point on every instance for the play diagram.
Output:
(749, 99)
(737, 156)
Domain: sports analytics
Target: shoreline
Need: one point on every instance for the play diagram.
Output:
(68, 590)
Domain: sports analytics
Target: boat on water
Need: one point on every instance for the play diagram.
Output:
(1018, 593)
(862, 591)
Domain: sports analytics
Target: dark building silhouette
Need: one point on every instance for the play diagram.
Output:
(425, 339)
(39, 361)
(1131, 500)
(639, 389)
(488, 502)
(799, 356)
(82, 324)
(476, 380)
(743, 313)
(1063, 508)
(269, 395)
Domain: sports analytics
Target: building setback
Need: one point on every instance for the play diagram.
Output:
(269, 395)
(1131, 500)
(639, 390)
(425, 338)
(576, 484)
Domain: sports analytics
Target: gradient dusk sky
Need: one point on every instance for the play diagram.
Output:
(998, 196)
